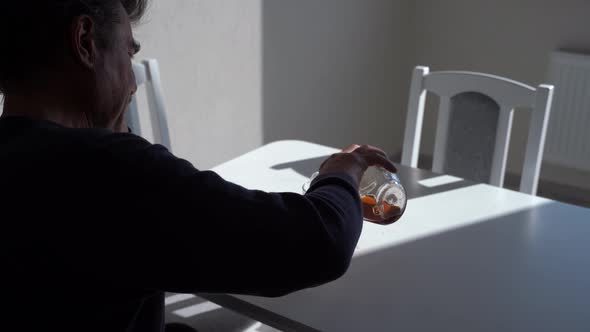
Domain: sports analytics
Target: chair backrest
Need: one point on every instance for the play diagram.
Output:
(489, 92)
(147, 73)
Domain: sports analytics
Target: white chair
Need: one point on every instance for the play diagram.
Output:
(147, 72)
(505, 94)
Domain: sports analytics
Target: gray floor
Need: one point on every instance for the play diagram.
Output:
(207, 317)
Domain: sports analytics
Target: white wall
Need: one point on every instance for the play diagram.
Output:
(331, 71)
(240, 72)
(505, 37)
(210, 58)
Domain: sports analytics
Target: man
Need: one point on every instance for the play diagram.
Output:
(98, 223)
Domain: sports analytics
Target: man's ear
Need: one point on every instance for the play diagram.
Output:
(83, 40)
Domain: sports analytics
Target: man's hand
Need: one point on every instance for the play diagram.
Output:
(355, 159)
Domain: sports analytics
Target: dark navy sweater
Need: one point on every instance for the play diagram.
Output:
(97, 226)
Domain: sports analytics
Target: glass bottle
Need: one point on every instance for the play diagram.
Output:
(383, 197)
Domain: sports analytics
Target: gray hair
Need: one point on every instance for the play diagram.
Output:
(33, 33)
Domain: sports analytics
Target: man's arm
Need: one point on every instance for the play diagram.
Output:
(215, 236)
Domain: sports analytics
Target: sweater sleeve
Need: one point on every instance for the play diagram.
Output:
(192, 231)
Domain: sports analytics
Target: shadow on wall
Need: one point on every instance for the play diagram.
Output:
(330, 71)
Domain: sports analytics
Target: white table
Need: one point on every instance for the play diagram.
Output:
(465, 257)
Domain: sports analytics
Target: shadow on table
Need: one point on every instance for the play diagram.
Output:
(534, 258)
(409, 176)
(532, 262)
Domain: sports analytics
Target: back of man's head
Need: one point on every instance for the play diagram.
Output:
(34, 35)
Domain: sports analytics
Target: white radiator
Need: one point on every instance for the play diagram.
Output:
(568, 137)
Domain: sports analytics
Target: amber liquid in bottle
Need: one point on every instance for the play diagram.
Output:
(382, 196)
(384, 215)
